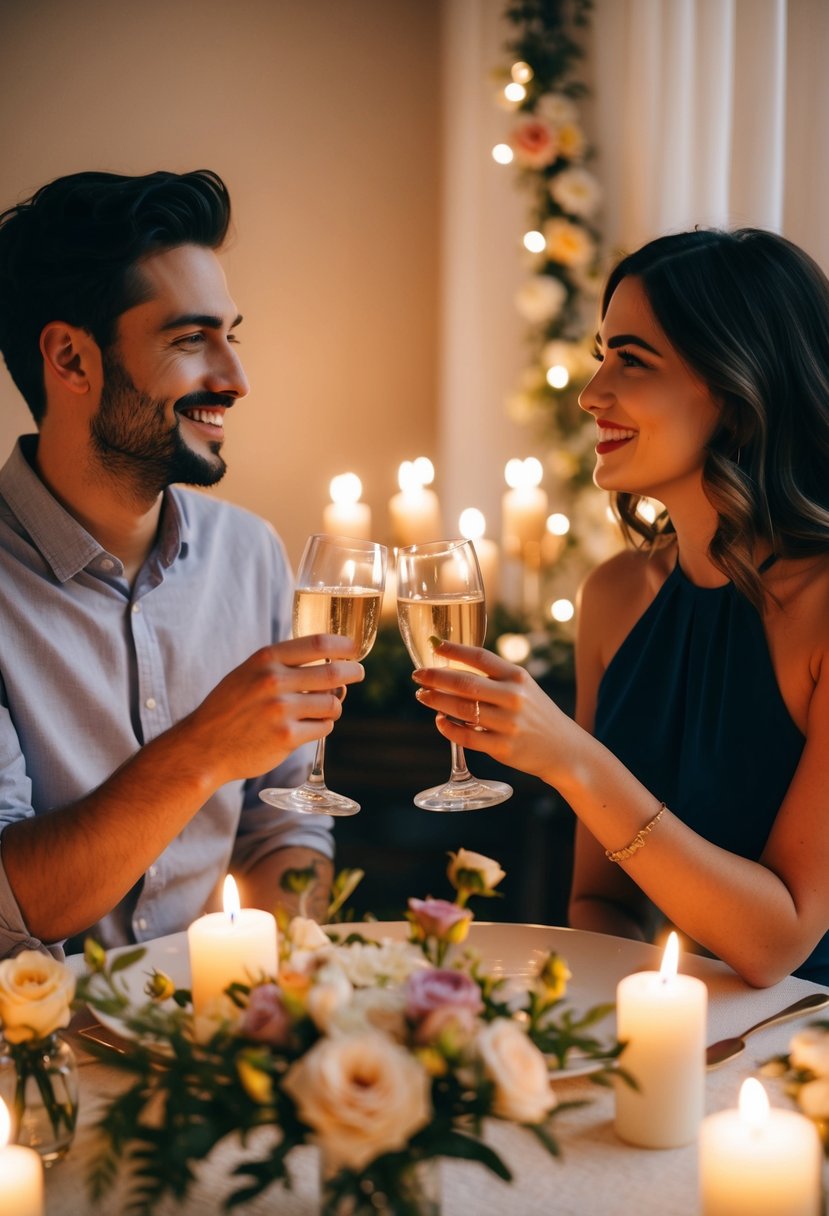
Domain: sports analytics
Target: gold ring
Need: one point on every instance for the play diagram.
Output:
(476, 724)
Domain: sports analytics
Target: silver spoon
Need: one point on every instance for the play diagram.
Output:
(726, 1049)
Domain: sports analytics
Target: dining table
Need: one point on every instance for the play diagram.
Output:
(596, 1173)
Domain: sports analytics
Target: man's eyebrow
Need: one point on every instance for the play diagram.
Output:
(207, 320)
(629, 340)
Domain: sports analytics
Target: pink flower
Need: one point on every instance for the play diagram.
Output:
(437, 988)
(534, 143)
(266, 1019)
(440, 919)
(449, 1029)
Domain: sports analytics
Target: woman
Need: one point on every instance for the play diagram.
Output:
(698, 763)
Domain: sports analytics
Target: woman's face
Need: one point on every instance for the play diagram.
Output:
(654, 414)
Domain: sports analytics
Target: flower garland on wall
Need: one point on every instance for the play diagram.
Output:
(547, 145)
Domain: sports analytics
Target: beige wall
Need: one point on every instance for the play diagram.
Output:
(323, 118)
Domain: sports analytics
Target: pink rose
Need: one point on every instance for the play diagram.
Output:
(439, 918)
(534, 143)
(266, 1019)
(449, 1029)
(427, 991)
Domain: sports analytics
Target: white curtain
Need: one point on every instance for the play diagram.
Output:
(712, 112)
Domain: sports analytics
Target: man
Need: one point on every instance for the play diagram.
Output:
(146, 694)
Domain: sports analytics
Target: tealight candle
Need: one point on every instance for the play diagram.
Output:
(415, 511)
(236, 944)
(660, 1015)
(759, 1162)
(472, 526)
(345, 515)
(523, 507)
(21, 1174)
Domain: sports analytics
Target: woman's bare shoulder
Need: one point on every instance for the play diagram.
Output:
(613, 597)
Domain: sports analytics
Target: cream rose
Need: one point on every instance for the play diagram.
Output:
(363, 1095)
(306, 934)
(809, 1049)
(35, 994)
(813, 1098)
(519, 1070)
(474, 872)
(540, 299)
(330, 991)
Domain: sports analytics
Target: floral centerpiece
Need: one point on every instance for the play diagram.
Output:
(385, 1054)
(805, 1072)
(37, 1069)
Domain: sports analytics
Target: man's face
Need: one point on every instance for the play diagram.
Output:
(170, 376)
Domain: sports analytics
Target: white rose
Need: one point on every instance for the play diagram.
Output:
(540, 299)
(556, 108)
(576, 191)
(522, 1083)
(809, 1050)
(362, 1094)
(306, 934)
(489, 870)
(373, 1009)
(391, 962)
(814, 1098)
(330, 991)
(35, 994)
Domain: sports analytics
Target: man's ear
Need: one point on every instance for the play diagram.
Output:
(71, 356)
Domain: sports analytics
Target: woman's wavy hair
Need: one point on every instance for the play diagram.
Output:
(748, 312)
(71, 252)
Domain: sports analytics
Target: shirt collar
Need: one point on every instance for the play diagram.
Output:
(64, 543)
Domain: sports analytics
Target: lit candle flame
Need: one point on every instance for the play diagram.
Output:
(670, 958)
(230, 898)
(472, 523)
(409, 479)
(345, 488)
(754, 1104)
(425, 470)
(5, 1124)
(523, 474)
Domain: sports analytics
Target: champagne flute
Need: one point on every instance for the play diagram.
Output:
(440, 594)
(338, 590)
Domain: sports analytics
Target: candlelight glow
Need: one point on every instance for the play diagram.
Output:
(558, 524)
(670, 957)
(521, 72)
(515, 92)
(425, 470)
(523, 474)
(5, 1124)
(535, 242)
(408, 479)
(230, 898)
(753, 1104)
(558, 376)
(345, 488)
(562, 611)
(502, 154)
(472, 523)
(514, 647)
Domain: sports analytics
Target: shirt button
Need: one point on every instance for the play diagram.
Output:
(142, 922)
(136, 608)
(151, 702)
(107, 563)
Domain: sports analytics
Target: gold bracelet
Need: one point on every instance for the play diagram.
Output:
(638, 840)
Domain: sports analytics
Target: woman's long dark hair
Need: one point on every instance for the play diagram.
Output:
(748, 312)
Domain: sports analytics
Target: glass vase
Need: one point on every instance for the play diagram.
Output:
(388, 1187)
(39, 1084)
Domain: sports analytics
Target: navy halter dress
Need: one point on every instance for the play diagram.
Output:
(690, 704)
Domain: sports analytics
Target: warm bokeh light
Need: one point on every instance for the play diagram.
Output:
(562, 611)
(230, 897)
(425, 470)
(515, 92)
(558, 524)
(753, 1104)
(535, 242)
(345, 488)
(5, 1124)
(523, 474)
(503, 154)
(558, 376)
(472, 523)
(514, 647)
(408, 479)
(521, 72)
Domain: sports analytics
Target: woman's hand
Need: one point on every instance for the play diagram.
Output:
(499, 709)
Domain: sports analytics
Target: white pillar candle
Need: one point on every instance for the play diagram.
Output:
(236, 944)
(661, 1016)
(472, 526)
(345, 515)
(759, 1162)
(523, 508)
(414, 512)
(21, 1174)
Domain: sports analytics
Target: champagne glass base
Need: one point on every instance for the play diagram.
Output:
(310, 800)
(468, 795)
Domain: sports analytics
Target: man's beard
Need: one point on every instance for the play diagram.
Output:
(136, 443)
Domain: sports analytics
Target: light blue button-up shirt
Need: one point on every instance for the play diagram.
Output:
(91, 669)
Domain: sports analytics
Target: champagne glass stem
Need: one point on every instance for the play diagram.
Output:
(316, 777)
(459, 770)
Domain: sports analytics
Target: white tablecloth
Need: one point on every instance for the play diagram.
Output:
(597, 1174)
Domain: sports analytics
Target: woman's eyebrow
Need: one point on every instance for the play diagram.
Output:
(630, 340)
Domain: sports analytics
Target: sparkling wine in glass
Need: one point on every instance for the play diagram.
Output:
(338, 590)
(440, 594)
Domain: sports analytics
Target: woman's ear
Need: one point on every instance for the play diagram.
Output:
(70, 357)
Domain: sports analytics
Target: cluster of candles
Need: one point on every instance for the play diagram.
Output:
(530, 533)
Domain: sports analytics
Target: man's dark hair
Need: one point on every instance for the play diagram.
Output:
(70, 253)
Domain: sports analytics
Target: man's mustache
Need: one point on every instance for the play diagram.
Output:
(194, 400)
